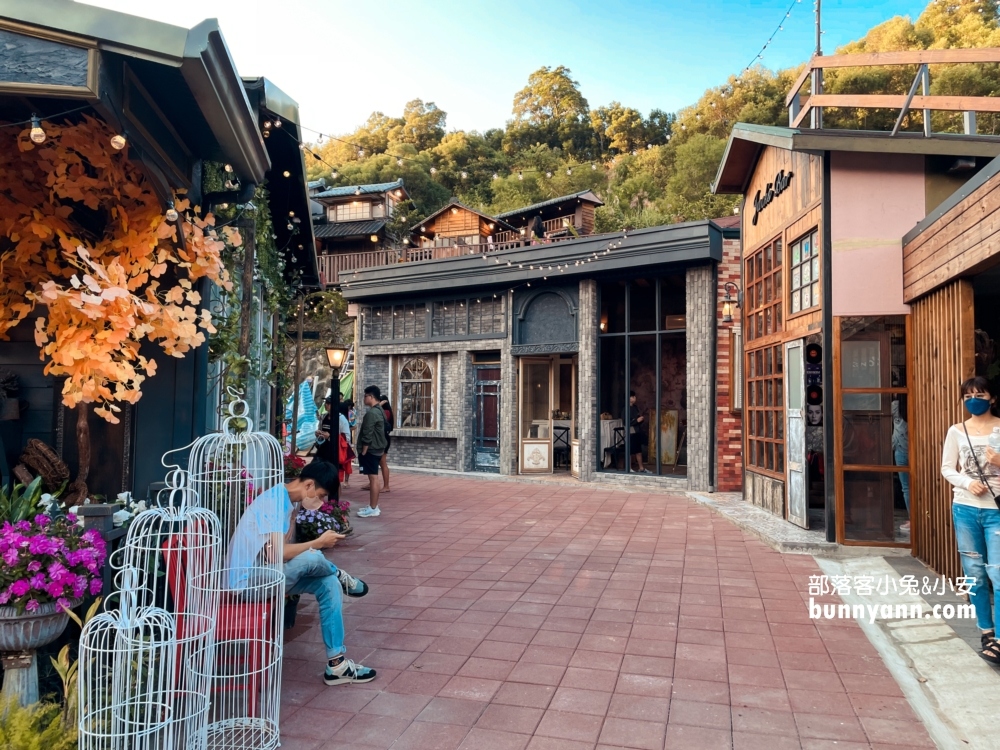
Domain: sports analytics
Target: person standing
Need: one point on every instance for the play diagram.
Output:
(346, 451)
(970, 466)
(371, 446)
(636, 433)
(901, 453)
(326, 438)
(384, 464)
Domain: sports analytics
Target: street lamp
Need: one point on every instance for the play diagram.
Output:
(728, 302)
(335, 355)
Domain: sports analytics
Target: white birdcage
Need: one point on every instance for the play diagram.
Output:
(231, 467)
(127, 673)
(238, 474)
(177, 546)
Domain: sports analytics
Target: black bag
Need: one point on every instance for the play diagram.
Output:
(387, 413)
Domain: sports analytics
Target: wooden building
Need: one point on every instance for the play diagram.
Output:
(455, 229)
(951, 281)
(566, 215)
(827, 327)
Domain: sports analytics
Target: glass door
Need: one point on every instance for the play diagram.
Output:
(535, 431)
(796, 486)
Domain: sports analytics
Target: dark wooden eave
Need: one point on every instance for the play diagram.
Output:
(199, 54)
(693, 242)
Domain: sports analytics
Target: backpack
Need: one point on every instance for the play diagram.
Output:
(387, 412)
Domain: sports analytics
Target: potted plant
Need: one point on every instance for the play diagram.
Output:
(48, 565)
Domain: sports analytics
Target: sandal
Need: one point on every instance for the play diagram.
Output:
(991, 648)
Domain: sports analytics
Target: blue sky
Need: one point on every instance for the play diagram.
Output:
(343, 60)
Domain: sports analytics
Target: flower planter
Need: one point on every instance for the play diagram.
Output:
(20, 635)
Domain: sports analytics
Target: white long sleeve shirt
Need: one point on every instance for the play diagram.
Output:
(958, 466)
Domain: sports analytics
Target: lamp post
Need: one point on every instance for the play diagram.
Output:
(729, 302)
(335, 356)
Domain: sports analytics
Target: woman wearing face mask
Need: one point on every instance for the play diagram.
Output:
(971, 467)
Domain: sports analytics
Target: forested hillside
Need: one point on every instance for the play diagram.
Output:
(649, 169)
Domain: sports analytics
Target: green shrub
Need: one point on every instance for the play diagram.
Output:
(35, 727)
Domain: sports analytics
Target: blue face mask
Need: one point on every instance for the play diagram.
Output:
(977, 405)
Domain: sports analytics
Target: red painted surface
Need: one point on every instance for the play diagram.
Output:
(728, 425)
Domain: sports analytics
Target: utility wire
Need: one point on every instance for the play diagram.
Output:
(779, 27)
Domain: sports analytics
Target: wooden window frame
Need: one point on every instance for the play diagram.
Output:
(759, 410)
(815, 283)
(763, 271)
(426, 385)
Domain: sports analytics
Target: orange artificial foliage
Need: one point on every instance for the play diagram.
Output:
(83, 234)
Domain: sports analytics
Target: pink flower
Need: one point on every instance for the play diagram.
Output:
(64, 602)
(32, 605)
(10, 557)
(4, 597)
(96, 584)
(34, 566)
(42, 520)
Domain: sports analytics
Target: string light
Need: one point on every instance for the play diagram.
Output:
(171, 212)
(117, 142)
(760, 55)
(37, 135)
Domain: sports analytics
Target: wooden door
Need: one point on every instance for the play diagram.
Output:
(796, 483)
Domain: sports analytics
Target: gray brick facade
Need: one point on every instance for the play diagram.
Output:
(700, 285)
(586, 391)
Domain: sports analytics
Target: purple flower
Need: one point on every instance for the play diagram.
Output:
(34, 566)
(32, 605)
(38, 581)
(10, 557)
(55, 589)
(20, 588)
(63, 602)
(4, 597)
(96, 584)
(42, 520)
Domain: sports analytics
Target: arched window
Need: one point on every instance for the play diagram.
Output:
(416, 390)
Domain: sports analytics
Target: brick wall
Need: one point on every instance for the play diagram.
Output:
(700, 314)
(589, 321)
(729, 425)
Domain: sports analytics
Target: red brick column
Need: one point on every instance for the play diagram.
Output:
(728, 425)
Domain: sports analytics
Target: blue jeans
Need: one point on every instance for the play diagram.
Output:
(902, 458)
(311, 573)
(977, 531)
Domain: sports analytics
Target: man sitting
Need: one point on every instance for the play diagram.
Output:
(270, 517)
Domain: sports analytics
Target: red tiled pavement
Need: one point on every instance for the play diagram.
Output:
(573, 617)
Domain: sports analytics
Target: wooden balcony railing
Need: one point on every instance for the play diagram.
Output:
(817, 100)
(551, 226)
(335, 267)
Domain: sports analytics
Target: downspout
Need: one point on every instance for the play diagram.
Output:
(829, 488)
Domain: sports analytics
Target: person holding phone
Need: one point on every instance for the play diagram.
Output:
(637, 439)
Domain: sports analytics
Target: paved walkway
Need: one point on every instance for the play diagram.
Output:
(506, 616)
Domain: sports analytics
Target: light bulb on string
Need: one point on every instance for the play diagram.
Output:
(228, 168)
(569, 170)
(117, 141)
(496, 176)
(171, 212)
(399, 162)
(37, 135)
(433, 170)
(593, 167)
(548, 174)
(520, 176)
(277, 122)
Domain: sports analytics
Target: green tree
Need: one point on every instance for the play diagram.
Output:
(619, 129)
(550, 110)
(422, 125)
(688, 190)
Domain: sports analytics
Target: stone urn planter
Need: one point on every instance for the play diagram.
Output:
(20, 634)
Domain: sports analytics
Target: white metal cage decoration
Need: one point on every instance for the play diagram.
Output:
(128, 663)
(177, 547)
(238, 474)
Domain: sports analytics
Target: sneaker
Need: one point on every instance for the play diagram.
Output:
(347, 672)
(645, 471)
(352, 586)
(368, 512)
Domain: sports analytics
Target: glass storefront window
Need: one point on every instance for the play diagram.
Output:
(651, 360)
(535, 402)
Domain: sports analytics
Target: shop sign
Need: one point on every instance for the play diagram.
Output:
(772, 191)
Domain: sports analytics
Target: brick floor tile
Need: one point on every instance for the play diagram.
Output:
(554, 743)
(430, 736)
(442, 710)
(880, 706)
(369, 730)
(641, 707)
(315, 724)
(740, 674)
(682, 737)
(577, 700)
(557, 655)
(524, 694)
(638, 684)
(590, 679)
(417, 683)
(537, 674)
(910, 734)
(815, 702)
(480, 739)
(754, 741)
(506, 718)
(826, 727)
(758, 697)
(700, 670)
(700, 714)
(648, 647)
(596, 660)
(632, 733)
(763, 721)
(570, 726)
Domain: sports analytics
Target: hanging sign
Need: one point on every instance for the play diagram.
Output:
(772, 191)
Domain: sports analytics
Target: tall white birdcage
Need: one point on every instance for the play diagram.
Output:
(231, 467)
(127, 673)
(177, 547)
(238, 473)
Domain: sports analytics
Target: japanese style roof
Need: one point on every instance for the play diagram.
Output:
(587, 195)
(349, 228)
(345, 191)
(188, 72)
(316, 184)
(455, 203)
(747, 142)
(591, 256)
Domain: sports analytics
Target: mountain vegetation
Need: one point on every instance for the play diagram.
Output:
(649, 169)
